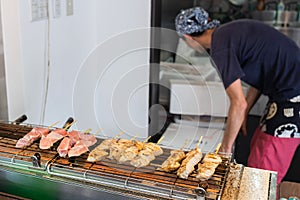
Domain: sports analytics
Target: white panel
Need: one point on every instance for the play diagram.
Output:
(13, 58)
(177, 135)
(189, 98)
(60, 50)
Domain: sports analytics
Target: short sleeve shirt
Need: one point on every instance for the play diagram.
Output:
(259, 55)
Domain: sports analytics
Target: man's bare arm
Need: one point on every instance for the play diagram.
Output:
(236, 114)
(252, 96)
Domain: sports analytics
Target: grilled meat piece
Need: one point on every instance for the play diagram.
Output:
(105, 144)
(155, 148)
(64, 146)
(143, 159)
(173, 161)
(81, 146)
(131, 152)
(47, 141)
(187, 166)
(212, 158)
(208, 167)
(97, 154)
(78, 149)
(117, 147)
(32, 136)
(88, 139)
(100, 151)
(205, 170)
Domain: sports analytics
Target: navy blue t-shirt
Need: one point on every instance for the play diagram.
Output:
(259, 55)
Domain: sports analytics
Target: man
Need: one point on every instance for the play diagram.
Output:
(250, 51)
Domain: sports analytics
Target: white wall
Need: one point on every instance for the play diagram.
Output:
(12, 56)
(94, 56)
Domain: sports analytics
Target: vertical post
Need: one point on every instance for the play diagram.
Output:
(154, 67)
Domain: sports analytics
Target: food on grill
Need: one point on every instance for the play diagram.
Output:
(97, 154)
(105, 144)
(81, 145)
(143, 159)
(47, 141)
(131, 152)
(64, 147)
(155, 148)
(212, 158)
(74, 136)
(147, 154)
(188, 164)
(138, 153)
(75, 141)
(32, 136)
(100, 151)
(78, 149)
(205, 170)
(208, 166)
(173, 161)
(88, 139)
(117, 147)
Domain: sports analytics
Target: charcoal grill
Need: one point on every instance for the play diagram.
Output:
(146, 182)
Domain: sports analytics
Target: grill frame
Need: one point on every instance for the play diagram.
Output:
(144, 182)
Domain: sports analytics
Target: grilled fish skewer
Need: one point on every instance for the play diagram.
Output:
(173, 162)
(208, 167)
(188, 164)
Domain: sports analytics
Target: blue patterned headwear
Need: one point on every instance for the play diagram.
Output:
(194, 20)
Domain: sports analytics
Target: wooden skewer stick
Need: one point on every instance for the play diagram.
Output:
(53, 125)
(98, 131)
(118, 135)
(199, 141)
(217, 149)
(185, 143)
(134, 137)
(159, 141)
(146, 140)
(87, 131)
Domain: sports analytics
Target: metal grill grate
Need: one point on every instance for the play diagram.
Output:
(146, 180)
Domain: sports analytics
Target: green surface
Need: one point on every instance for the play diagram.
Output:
(40, 186)
(28, 186)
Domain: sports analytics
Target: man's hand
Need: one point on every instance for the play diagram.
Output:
(224, 149)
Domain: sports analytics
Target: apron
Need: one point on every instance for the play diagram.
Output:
(276, 139)
(281, 119)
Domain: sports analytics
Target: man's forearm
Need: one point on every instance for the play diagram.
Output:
(252, 96)
(236, 115)
(234, 121)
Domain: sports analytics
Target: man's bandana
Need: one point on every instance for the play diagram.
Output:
(194, 20)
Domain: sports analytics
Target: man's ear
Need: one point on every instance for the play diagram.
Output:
(187, 36)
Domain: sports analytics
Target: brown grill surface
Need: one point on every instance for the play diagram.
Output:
(145, 180)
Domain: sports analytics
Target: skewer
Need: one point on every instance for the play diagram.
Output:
(98, 131)
(118, 135)
(49, 127)
(185, 143)
(134, 137)
(146, 140)
(162, 137)
(218, 147)
(199, 141)
(87, 131)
